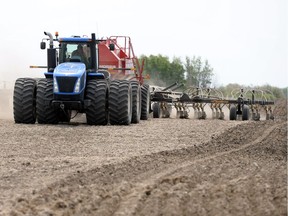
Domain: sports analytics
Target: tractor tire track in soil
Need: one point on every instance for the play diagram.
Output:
(157, 167)
(241, 171)
(130, 205)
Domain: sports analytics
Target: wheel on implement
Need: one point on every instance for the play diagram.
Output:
(245, 113)
(157, 112)
(46, 113)
(24, 101)
(97, 93)
(233, 112)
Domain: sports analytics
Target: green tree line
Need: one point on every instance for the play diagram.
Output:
(194, 72)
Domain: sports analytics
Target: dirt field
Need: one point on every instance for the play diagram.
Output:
(157, 167)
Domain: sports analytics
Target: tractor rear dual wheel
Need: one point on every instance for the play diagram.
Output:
(145, 102)
(136, 102)
(120, 102)
(24, 101)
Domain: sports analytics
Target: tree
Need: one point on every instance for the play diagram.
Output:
(275, 91)
(285, 92)
(163, 72)
(190, 72)
(197, 74)
(176, 71)
(205, 77)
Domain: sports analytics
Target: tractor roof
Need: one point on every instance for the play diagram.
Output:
(74, 39)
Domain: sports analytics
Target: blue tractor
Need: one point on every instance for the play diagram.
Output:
(74, 83)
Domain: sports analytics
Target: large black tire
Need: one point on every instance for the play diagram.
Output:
(156, 110)
(24, 101)
(136, 102)
(145, 102)
(120, 102)
(245, 113)
(46, 113)
(97, 93)
(233, 112)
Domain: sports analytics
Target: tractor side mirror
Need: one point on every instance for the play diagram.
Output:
(43, 45)
(112, 47)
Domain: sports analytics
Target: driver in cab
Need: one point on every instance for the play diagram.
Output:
(79, 52)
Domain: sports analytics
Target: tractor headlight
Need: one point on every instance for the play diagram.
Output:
(77, 86)
(56, 89)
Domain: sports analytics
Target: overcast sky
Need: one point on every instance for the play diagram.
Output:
(245, 41)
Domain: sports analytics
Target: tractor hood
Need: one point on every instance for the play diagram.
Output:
(70, 69)
(69, 78)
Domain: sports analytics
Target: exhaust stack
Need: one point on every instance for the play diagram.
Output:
(51, 54)
(50, 37)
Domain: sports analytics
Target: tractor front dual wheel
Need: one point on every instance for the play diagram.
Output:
(46, 113)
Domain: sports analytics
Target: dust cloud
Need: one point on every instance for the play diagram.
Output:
(6, 99)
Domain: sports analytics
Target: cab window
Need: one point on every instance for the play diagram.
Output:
(72, 52)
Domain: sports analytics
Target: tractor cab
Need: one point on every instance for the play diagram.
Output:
(73, 49)
(76, 49)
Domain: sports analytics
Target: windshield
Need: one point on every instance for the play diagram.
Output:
(75, 52)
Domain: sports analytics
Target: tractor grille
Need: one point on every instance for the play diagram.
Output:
(66, 84)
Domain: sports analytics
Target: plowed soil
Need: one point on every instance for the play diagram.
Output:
(158, 167)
